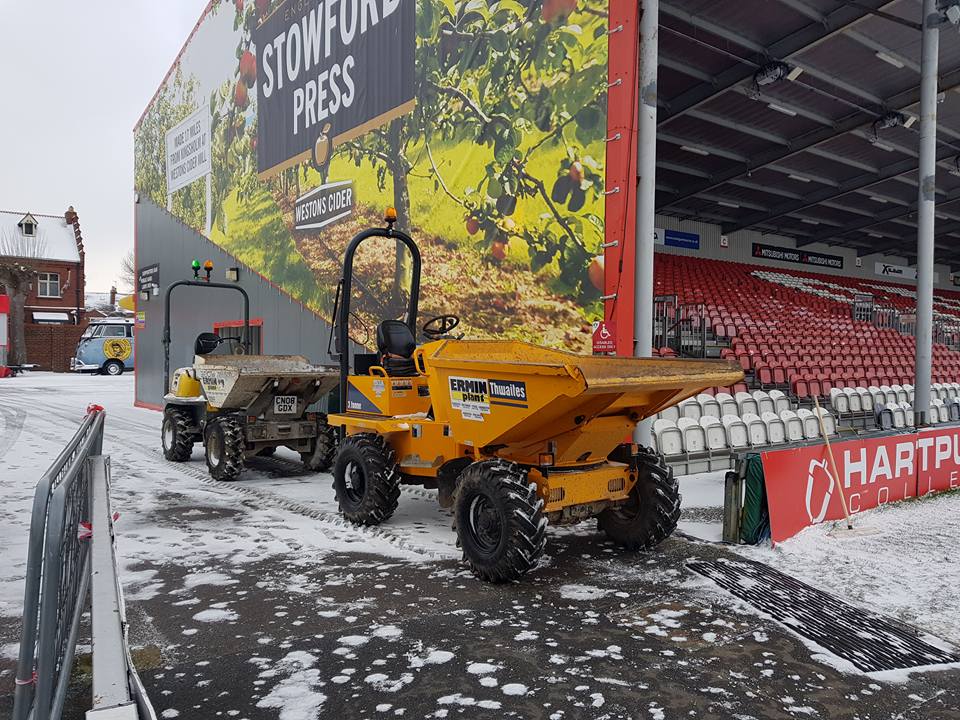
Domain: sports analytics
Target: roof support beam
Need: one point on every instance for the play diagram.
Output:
(897, 212)
(859, 182)
(806, 37)
(851, 122)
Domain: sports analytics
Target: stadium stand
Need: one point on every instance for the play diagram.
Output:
(797, 336)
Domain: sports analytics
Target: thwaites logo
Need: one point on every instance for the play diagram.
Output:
(474, 396)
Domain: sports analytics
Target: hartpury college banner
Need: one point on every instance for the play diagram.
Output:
(801, 489)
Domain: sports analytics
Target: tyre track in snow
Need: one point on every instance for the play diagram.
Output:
(267, 498)
(13, 419)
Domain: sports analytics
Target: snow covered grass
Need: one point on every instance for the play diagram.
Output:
(173, 512)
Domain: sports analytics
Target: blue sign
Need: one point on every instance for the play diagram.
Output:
(677, 239)
(685, 240)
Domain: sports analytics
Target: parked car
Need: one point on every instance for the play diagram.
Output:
(106, 347)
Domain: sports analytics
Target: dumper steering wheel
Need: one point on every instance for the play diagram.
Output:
(436, 328)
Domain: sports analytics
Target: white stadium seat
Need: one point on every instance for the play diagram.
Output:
(776, 430)
(765, 403)
(690, 409)
(899, 416)
(713, 430)
(793, 425)
(900, 393)
(943, 412)
(670, 413)
(866, 399)
(780, 401)
(757, 429)
(737, 435)
(746, 404)
(709, 407)
(839, 401)
(811, 427)
(829, 424)
(668, 437)
(853, 400)
(728, 406)
(889, 395)
(694, 438)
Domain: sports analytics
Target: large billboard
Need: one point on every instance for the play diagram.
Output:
(294, 124)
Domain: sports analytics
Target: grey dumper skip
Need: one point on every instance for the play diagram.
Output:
(248, 405)
(249, 382)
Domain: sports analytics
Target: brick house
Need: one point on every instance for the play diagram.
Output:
(54, 310)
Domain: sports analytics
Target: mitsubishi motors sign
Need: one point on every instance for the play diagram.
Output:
(802, 490)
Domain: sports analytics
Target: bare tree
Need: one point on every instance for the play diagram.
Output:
(16, 274)
(128, 272)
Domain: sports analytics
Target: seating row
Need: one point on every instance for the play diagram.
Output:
(687, 436)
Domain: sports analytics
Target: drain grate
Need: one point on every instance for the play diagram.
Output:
(871, 642)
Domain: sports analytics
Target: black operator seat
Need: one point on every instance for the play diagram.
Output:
(396, 344)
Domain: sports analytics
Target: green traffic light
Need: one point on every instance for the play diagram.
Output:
(195, 264)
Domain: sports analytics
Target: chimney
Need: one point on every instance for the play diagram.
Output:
(113, 296)
(71, 218)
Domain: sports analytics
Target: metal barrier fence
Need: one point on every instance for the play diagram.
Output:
(58, 576)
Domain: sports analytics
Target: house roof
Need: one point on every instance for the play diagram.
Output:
(54, 239)
(799, 118)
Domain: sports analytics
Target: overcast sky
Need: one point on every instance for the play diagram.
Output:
(77, 76)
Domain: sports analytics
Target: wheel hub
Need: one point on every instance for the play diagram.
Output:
(213, 448)
(355, 482)
(485, 524)
(167, 435)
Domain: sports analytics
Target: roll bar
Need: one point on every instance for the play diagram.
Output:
(342, 309)
(245, 339)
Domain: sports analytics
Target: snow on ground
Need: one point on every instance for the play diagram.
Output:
(906, 569)
(175, 511)
(702, 503)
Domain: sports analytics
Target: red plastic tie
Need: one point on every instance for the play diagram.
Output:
(116, 516)
(31, 681)
(85, 531)
(92, 408)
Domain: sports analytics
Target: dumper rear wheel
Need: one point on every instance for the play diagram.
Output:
(499, 521)
(651, 513)
(223, 445)
(324, 449)
(366, 479)
(176, 434)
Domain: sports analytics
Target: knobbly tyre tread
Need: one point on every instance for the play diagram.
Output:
(507, 483)
(382, 491)
(232, 464)
(325, 451)
(182, 447)
(658, 493)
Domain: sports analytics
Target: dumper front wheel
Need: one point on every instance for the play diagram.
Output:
(651, 513)
(499, 521)
(223, 445)
(177, 434)
(324, 448)
(366, 479)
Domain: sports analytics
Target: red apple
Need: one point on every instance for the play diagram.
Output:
(473, 225)
(595, 272)
(240, 98)
(498, 249)
(248, 68)
(576, 172)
